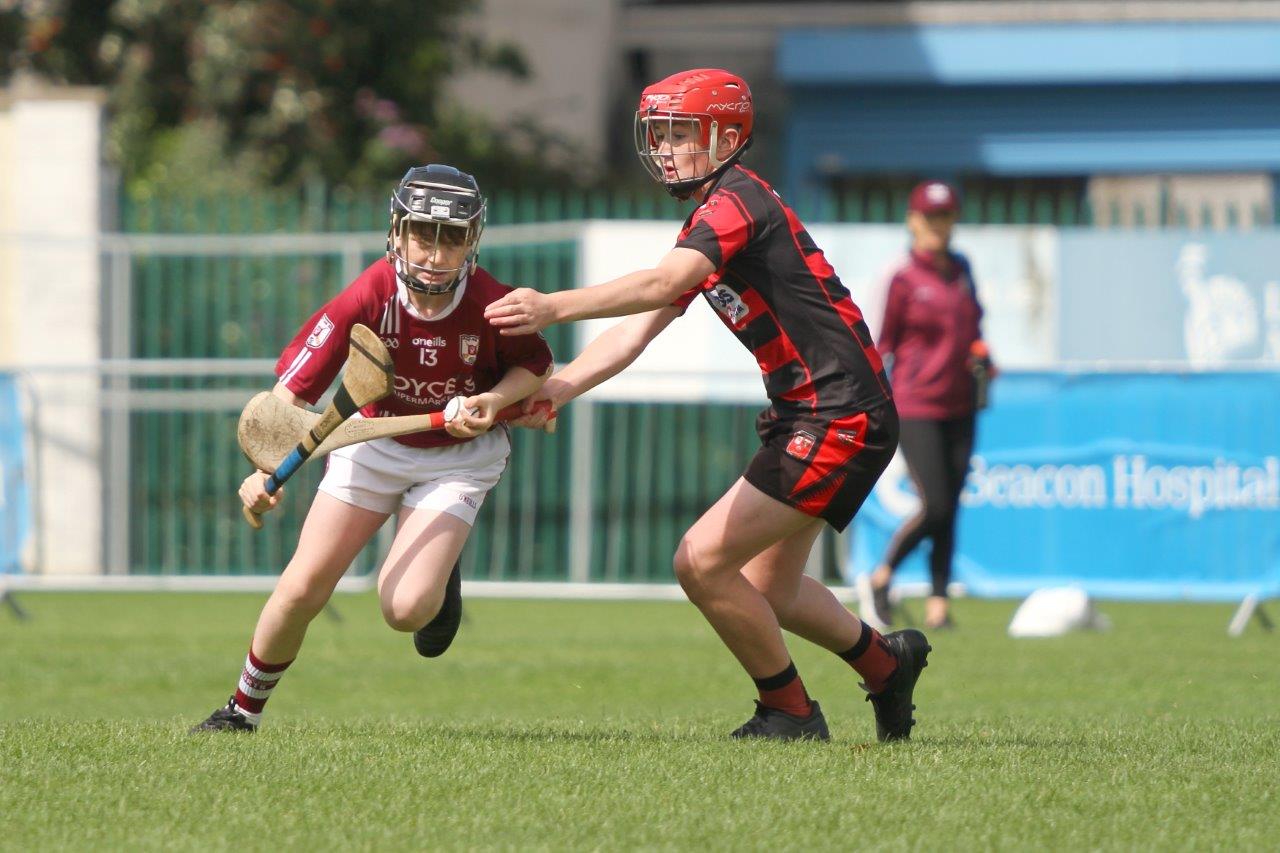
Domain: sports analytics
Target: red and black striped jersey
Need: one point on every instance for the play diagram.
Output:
(776, 292)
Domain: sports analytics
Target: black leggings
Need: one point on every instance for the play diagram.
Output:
(937, 454)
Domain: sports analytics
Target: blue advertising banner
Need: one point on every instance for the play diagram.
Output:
(1146, 486)
(13, 491)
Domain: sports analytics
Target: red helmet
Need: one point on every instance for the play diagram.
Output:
(710, 98)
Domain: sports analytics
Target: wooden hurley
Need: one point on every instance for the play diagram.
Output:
(269, 427)
(367, 378)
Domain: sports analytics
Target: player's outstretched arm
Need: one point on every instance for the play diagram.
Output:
(606, 356)
(524, 311)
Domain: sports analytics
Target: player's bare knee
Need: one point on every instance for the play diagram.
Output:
(410, 616)
(300, 600)
(695, 570)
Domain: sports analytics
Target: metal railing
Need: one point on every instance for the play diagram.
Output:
(572, 507)
(193, 323)
(320, 209)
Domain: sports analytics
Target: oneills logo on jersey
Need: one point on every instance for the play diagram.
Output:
(847, 436)
(469, 348)
(728, 303)
(801, 444)
(320, 333)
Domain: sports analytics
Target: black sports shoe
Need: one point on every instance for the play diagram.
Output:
(779, 725)
(893, 704)
(228, 718)
(434, 638)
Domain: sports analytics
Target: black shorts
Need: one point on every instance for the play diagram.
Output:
(823, 467)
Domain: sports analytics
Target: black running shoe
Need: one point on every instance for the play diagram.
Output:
(779, 725)
(228, 718)
(434, 638)
(893, 704)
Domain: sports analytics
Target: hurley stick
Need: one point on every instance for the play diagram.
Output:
(367, 378)
(269, 427)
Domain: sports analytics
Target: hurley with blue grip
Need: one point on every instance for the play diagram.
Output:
(367, 379)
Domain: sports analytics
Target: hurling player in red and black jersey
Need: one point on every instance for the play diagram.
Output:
(829, 433)
(426, 301)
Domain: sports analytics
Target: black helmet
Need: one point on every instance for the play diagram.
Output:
(446, 198)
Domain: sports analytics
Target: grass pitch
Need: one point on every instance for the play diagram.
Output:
(567, 725)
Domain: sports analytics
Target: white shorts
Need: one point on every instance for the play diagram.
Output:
(383, 474)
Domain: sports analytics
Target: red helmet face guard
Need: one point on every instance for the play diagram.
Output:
(682, 119)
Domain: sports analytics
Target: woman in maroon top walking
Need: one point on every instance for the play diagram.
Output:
(931, 330)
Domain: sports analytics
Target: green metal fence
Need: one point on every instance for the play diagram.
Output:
(319, 209)
(186, 468)
(184, 462)
(185, 465)
(238, 307)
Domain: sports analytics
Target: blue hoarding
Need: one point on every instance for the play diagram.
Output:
(1130, 485)
(13, 490)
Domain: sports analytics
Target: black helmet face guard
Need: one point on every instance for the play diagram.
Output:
(448, 210)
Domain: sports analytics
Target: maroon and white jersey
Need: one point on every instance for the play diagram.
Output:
(456, 353)
(931, 319)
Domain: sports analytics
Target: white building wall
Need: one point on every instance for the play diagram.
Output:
(50, 203)
(571, 51)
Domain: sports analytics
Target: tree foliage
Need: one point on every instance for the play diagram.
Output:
(241, 93)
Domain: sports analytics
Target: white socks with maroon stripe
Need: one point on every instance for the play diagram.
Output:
(256, 683)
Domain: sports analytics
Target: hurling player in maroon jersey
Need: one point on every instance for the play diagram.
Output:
(426, 300)
(831, 428)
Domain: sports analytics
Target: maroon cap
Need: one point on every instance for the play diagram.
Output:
(934, 197)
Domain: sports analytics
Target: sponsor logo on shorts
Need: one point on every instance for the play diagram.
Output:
(801, 444)
(469, 501)
(321, 332)
(469, 348)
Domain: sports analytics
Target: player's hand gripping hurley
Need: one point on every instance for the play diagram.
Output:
(367, 379)
(269, 427)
